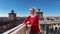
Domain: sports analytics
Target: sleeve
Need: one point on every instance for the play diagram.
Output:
(25, 21)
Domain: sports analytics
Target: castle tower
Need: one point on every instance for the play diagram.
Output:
(12, 15)
(40, 14)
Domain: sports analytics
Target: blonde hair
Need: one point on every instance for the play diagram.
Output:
(32, 8)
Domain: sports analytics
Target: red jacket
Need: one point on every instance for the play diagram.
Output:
(34, 22)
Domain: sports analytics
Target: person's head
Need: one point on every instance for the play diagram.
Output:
(32, 11)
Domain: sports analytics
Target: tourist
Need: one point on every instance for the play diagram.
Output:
(33, 22)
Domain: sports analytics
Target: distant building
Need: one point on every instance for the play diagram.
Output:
(40, 14)
(12, 15)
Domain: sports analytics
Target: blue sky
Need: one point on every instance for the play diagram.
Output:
(21, 7)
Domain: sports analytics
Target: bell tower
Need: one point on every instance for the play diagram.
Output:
(12, 15)
(40, 14)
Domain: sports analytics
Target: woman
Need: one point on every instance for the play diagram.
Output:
(33, 22)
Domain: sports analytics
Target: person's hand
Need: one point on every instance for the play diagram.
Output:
(28, 25)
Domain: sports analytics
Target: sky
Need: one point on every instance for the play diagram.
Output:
(21, 7)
